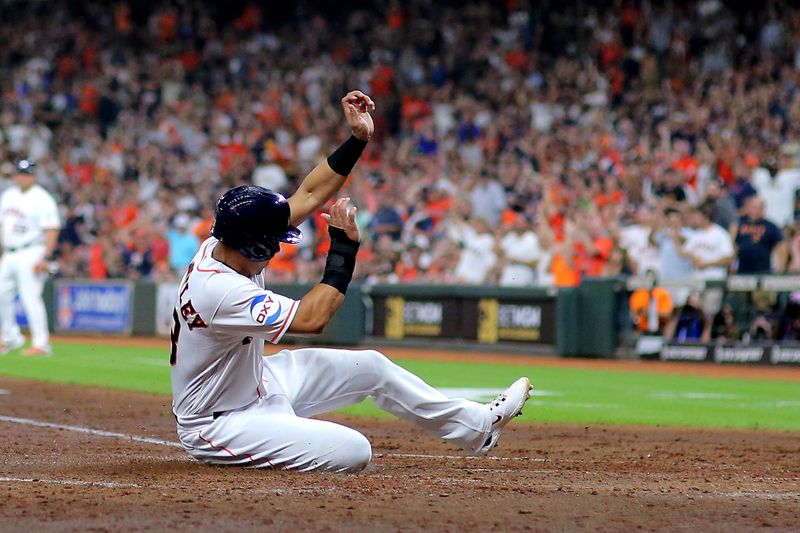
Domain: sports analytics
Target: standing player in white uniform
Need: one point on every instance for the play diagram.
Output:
(30, 223)
(235, 407)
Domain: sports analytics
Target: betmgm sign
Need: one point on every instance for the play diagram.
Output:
(413, 318)
(468, 318)
(515, 321)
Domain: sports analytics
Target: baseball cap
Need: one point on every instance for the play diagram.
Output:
(25, 166)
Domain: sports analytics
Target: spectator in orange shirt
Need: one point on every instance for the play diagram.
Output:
(564, 265)
(202, 229)
(564, 272)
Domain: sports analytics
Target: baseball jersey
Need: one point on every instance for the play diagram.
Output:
(24, 216)
(220, 323)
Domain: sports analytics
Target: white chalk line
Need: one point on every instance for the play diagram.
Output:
(456, 481)
(756, 494)
(117, 485)
(72, 482)
(458, 457)
(88, 431)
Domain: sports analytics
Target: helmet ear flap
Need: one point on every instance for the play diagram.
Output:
(262, 251)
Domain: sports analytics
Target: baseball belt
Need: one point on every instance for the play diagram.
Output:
(13, 249)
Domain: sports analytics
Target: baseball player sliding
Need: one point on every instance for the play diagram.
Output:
(30, 223)
(235, 407)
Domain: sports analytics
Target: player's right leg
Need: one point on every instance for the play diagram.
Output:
(9, 329)
(319, 380)
(267, 434)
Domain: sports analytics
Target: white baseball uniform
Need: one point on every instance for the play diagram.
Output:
(235, 406)
(24, 217)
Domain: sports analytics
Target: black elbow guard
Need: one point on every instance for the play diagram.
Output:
(341, 260)
(346, 156)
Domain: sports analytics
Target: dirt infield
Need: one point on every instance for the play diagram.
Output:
(555, 478)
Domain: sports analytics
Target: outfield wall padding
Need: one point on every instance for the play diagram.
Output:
(588, 320)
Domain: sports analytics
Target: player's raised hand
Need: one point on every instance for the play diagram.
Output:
(343, 218)
(357, 106)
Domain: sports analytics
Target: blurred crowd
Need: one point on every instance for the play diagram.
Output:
(517, 142)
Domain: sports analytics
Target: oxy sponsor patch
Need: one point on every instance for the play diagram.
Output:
(265, 310)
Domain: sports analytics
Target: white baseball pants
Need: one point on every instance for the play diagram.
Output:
(17, 275)
(274, 431)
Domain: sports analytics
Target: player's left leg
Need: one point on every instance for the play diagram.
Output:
(31, 286)
(321, 380)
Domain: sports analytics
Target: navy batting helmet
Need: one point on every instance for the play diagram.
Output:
(254, 221)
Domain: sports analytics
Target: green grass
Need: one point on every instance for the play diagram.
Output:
(566, 395)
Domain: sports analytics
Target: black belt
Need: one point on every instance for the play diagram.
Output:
(217, 414)
(18, 248)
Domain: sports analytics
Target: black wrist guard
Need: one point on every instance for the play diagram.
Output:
(341, 260)
(345, 157)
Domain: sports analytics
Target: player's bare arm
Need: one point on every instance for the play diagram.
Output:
(320, 304)
(50, 243)
(328, 177)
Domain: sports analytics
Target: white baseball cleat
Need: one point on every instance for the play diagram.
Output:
(11, 346)
(505, 407)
